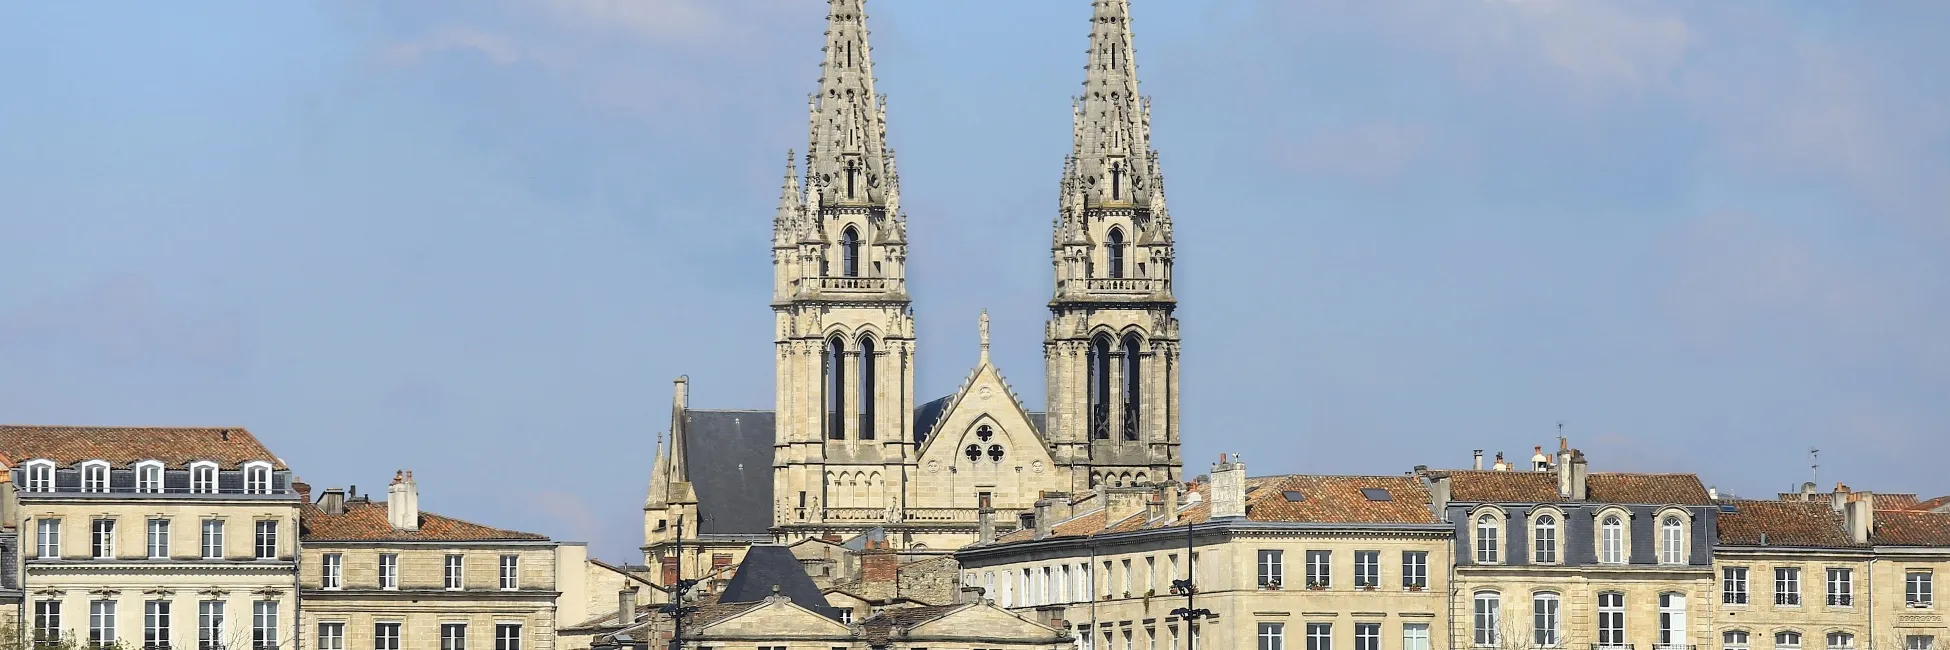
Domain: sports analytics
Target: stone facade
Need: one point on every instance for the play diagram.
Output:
(852, 450)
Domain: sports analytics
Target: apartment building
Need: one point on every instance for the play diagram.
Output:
(1549, 554)
(386, 575)
(1326, 561)
(1791, 575)
(183, 537)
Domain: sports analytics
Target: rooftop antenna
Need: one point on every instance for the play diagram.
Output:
(1814, 465)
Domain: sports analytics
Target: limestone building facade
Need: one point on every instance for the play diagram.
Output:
(184, 537)
(846, 446)
(386, 575)
(1277, 561)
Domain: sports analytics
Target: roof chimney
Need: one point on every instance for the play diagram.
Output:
(1500, 465)
(1579, 468)
(985, 524)
(1478, 465)
(1045, 516)
(1121, 503)
(1439, 495)
(626, 606)
(403, 502)
(333, 502)
(1564, 468)
(1538, 461)
(1228, 488)
(681, 396)
(1839, 498)
(303, 489)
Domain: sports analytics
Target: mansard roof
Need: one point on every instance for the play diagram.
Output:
(365, 521)
(229, 447)
(1513, 486)
(1782, 523)
(767, 566)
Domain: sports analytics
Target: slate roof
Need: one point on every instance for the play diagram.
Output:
(1325, 500)
(1487, 486)
(176, 447)
(766, 565)
(728, 455)
(365, 521)
(1785, 523)
(1911, 528)
(928, 414)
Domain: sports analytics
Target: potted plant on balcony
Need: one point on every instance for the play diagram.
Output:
(1366, 587)
(1414, 586)
(1270, 585)
(1316, 586)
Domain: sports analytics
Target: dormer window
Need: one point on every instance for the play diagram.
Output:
(257, 478)
(149, 477)
(203, 477)
(94, 476)
(39, 476)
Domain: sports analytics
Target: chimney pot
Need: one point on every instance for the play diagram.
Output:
(1478, 463)
(626, 606)
(332, 502)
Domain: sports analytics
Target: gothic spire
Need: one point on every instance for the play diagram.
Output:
(659, 493)
(789, 220)
(848, 161)
(1111, 160)
(680, 476)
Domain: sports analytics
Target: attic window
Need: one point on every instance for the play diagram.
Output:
(1294, 496)
(1377, 494)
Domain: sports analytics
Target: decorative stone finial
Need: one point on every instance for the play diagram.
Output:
(983, 327)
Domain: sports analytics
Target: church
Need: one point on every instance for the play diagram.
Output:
(847, 449)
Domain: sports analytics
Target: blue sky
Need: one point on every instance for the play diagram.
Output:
(478, 239)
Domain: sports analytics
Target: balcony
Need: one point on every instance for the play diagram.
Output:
(1673, 646)
(850, 285)
(1121, 287)
(921, 515)
(1611, 646)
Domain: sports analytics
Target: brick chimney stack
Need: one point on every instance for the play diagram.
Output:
(879, 563)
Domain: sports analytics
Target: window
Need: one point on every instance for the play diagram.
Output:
(1672, 619)
(1544, 624)
(40, 476)
(388, 570)
(1917, 590)
(1320, 636)
(1787, 640)
(47, 622)
(158, 539)
(203, 478)
(1098, 358)
(1545, 540)
(1415, 636)
(1919, 642)
(452, 572)
(331, 571)
(331, 636)
(155, 624)
(1841, 588)
(1367, 569)
(102, 541)
(850, 248)
(264, 625)
(1415, 570)
(507, 636)
(1486, 532)
(1787, 586)
(257, 478)
(94, 476)
(1269, 569)
(1733, 585)
(209, 625)
(1840, 641)
(48, 541)
(510, 572)
(1733, 640)
(1367, 636)
(213, 539)
(1319, 575)
(867, 387)
(1611, 542)
(267, 540)
(1488, 620)
(1114, 250)
(149, 477)
(1611, 619)
(1672, 540)
(835, 364)
(453, 636)
(385, 636)
(101, 623)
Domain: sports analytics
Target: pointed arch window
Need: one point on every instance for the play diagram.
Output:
(835, 389)
(866, 387)
(1099, 360)
(850, 252)
(1133, 387)
(1114, 251)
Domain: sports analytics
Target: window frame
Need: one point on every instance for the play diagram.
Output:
(258, 477)
(1734, 584)
(198, 472)
(101, 622)
(1320, 569)
(1787, 586)
(1367, 569)
(156, 626)
(510, 572)
(1604, 538)
(147, 466)
(1919, 589)
(47, 538)
(1543, 521)
(1839, 583)
(331, 571)
(333, 631)
(210, 616)
(1546, 619)
(264, 624)
(1780, 635)
(453, 636)
(96, 476)
(1415, 565)
(1486, 619)
(1320, 635)
(378, 634)
(1611, 619)
(1674, 542)
(264, 539)
(37, 476)
(1727, 642)
(156, 533)
(389, 572)
(211, 538)
(101, 538)
(1270, 569)
(1486, 536)
(1674, 626)
(1847, 638)
(504, 641)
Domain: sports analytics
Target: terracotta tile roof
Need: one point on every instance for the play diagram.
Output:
(1932, 504)
(1897, 501)
(1325, 500)
(1911, 528)
(230, 447)
(1785, 523)
(880, 628)
(365, 521)
(1602, 487)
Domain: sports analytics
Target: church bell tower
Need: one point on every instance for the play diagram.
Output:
(1111, 344)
